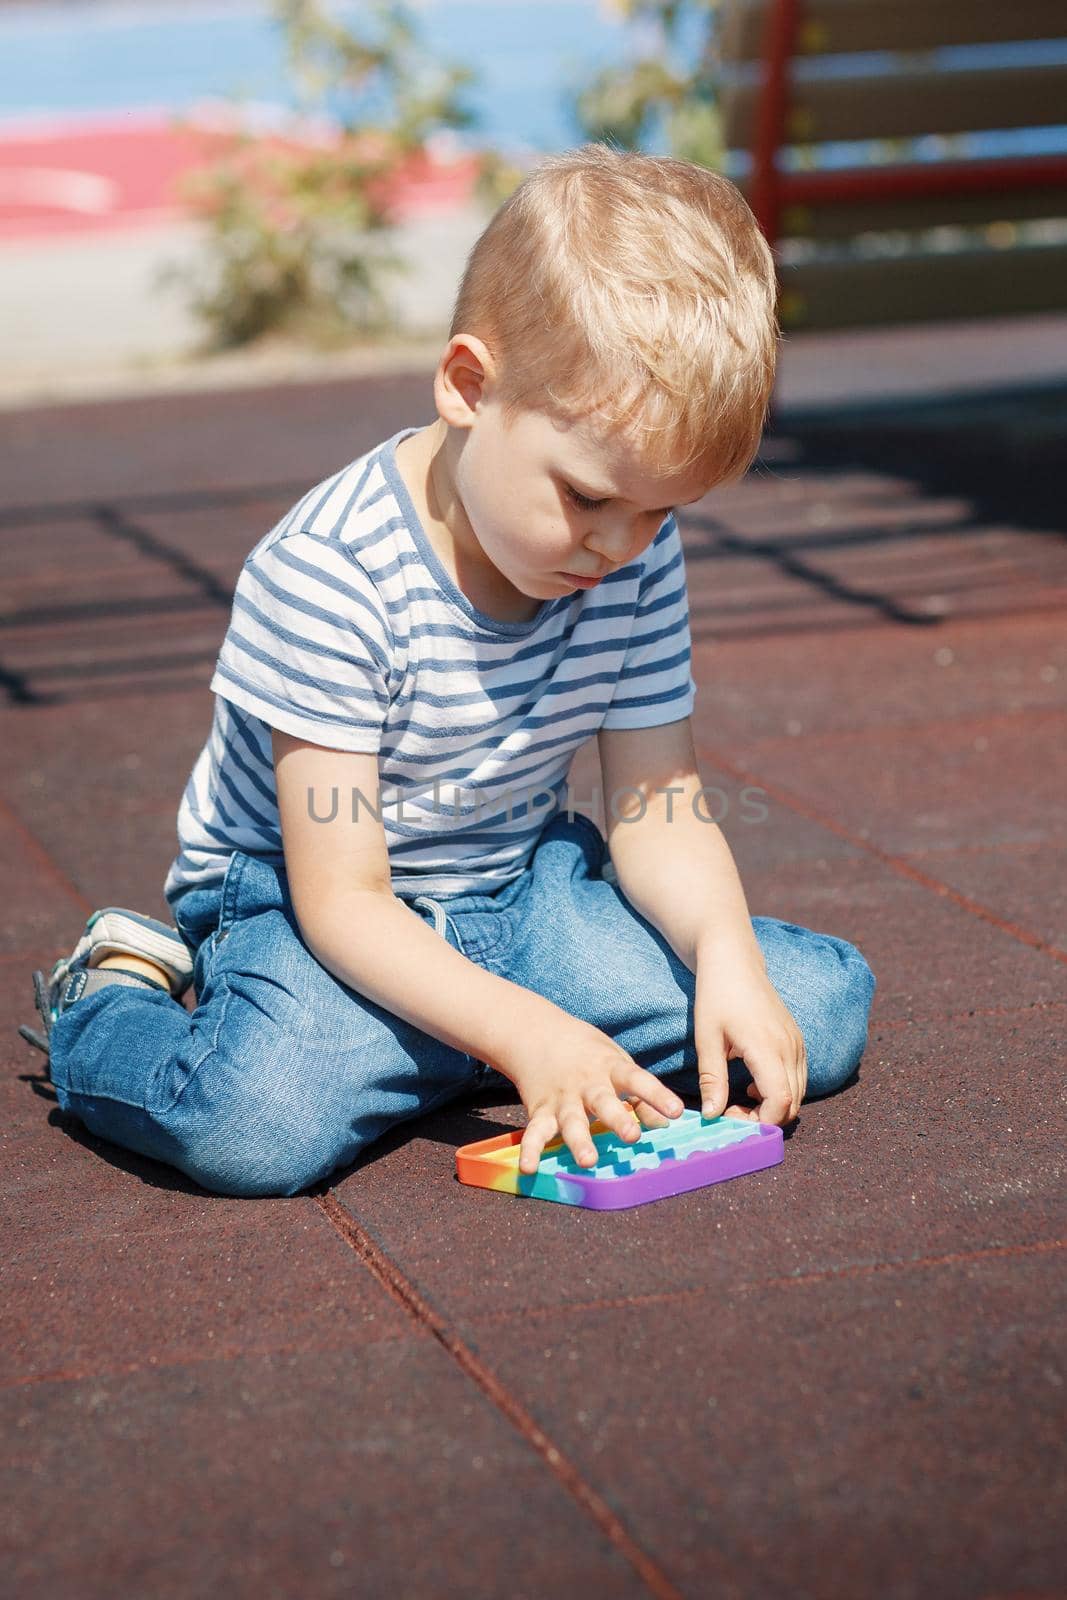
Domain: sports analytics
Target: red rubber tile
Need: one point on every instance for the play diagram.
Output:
(241, 1279)
(373, 1469)
(947, 359)
(40, 902)
(969, 781)
(72, 564)
(761, 832)
(140, 761)
(944, 576)
(884, 1298)
(103, 876)
(1025, 883)
(288, 435)
(932, 955)
(69, 549)
(825, 1439)
(874, 679)
(819, 548)
(156, 649)
(136, 751)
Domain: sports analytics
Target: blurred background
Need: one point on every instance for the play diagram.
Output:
(189, 178)
(213, 186)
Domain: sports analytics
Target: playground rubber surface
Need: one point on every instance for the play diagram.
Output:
(838, 1378)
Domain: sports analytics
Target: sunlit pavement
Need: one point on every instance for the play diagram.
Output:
(97, 312)
(837, 1378)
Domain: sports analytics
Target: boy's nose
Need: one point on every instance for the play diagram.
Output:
(614, 543)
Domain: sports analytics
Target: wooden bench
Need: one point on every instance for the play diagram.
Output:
(855, 245)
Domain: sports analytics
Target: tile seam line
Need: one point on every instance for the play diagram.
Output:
(963, 1016)
(396, 1284)
(705, 634)
(42, 857)
(941, 852)
(126, 688)
(230, 1353)
(888, 730)
(824, 1275)
(896, 863)
(166, 500)
(224, 1355)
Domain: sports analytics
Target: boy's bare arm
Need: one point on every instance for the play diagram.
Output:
(354, 924)
(380, 947)
(339, 878)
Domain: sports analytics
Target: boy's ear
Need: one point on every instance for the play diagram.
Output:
(464, 377)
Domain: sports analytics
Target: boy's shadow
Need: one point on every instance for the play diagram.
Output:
(458, 1122)
(470, 1117)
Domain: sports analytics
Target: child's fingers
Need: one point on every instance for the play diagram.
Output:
(615, 1114)
(571, 1120)
(574, 1127)
(789, 1106)
(539, 1130)
(776, 1092)
(795, 1094)
(649, 1116)
(647, 1088)
(713, 1078)
(796, 1076)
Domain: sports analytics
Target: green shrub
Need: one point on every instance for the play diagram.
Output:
(622, 104)
(298, 224)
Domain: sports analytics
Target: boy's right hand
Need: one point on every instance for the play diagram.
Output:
(569, 1071)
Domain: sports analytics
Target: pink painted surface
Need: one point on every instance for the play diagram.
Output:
(101, 174)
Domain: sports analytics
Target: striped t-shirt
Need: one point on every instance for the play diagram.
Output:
(348, 631)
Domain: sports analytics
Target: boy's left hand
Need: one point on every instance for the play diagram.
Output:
(739, 1012)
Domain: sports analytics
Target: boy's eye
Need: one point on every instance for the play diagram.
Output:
(584, 502)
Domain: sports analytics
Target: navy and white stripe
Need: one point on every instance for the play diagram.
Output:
(348, 631)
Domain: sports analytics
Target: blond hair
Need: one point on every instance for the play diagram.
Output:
(634, 287)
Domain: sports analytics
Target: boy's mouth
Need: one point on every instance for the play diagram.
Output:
(586, 583)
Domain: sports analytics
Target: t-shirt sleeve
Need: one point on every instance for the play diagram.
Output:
(655, 684)
(308, 648)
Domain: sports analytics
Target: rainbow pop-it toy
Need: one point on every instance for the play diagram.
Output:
(693, 1151)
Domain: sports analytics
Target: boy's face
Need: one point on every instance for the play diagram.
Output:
(549, 503)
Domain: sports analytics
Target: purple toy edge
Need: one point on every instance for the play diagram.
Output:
(675, 1177)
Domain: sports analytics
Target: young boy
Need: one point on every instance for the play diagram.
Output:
(415, 653)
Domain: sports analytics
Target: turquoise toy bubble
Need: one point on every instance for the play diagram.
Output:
(693, 1151)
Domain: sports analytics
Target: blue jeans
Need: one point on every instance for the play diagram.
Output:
(282, 1073)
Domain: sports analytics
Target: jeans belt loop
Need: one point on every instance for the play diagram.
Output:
(440, 916)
